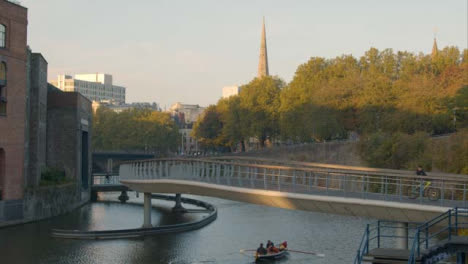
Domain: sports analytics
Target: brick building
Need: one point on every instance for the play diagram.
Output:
(41, 127)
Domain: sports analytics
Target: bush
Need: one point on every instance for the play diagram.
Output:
(396, 151)
(52, 176)
(452, 155)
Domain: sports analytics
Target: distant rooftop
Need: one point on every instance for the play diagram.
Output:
(15, 2)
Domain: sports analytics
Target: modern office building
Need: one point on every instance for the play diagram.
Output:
(229, 91)
(185, 115)
(190, 112)
(96, 87)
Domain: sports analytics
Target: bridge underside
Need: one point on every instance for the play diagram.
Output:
(384, 210)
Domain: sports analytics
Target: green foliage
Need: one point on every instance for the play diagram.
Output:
(395, 98)
(134, 129)
(452, 155)
(52, 176)
(260, 98)
(208, 129)
(396, 151)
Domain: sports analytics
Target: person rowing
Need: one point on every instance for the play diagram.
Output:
(261, 250)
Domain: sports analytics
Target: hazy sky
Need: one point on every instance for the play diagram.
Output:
(186, 51)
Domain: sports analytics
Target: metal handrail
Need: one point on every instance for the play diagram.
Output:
(363, 246)
(376, 232)
(453, 225)
(302, 180)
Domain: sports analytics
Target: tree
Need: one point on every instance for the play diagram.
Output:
(208, 128)
(260, 100)
(134, 129)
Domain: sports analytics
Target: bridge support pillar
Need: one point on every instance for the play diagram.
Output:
(178, 208)
(461, 258)
(147, 211)
(94, 196)
(123, 197)
(402, 235)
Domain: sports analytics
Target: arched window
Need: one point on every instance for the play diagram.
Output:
(2, 36)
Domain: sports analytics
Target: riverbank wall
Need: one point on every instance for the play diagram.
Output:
(42, 202)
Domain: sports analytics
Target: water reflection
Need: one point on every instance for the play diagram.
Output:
(239, 226)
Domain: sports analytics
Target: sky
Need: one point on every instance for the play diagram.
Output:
(169, 51)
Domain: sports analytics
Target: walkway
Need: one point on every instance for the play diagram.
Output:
(368, 192)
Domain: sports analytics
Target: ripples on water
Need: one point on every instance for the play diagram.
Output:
(239, 226)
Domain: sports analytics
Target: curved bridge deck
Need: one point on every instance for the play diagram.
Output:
(138, 232)
(369, 192)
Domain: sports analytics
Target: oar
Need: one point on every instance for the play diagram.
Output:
(310, 253)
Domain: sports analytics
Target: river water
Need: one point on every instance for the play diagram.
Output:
(239, 226)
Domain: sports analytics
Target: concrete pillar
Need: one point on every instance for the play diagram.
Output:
(147, 211)
(401, 231)
(123, 197)
(178, 208)
(461, 258)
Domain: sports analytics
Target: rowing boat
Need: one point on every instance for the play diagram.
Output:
(272, 256)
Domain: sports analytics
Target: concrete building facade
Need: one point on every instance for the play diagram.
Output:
(96, 87)
(185, 115)
(32, 137)
(229, 91)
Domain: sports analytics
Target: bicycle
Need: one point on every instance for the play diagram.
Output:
(429, 191)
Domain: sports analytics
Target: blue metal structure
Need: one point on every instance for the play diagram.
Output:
(379, 234)
(430, 240)
(434, 234)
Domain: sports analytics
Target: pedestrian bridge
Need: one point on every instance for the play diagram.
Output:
(347, 190)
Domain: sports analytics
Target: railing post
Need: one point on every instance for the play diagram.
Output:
(239, 173)
(456, 221)
(378, 233)
(464, 194)
(315, 180)
(426, 234)
(442, 196)
(386, 187)
(264, 178)
(421, 191)
(367, 239)
(326, 182)
(418, 250)
(367, 185)
(279, 181)
(250, 172)
(449, 225)
(294, 180)
(400, 191)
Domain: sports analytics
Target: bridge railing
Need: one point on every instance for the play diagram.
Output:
(104, 179)
(446, 191)
(383, 234)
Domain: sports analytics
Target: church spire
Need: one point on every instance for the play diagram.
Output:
(263, 61)
(434, 49)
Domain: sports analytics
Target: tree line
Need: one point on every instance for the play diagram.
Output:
(381, 94)
(134, 130)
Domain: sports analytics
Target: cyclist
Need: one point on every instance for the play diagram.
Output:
(420, 171)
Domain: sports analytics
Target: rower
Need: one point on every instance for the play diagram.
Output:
(261, 250)
(269, 244)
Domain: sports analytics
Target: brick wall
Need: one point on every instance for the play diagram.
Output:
(14, 125)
